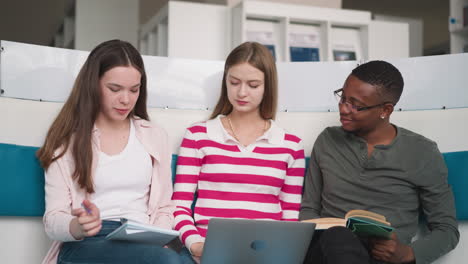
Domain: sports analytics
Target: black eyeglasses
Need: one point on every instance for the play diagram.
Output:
(354, 108)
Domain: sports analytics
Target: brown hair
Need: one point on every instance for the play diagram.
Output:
(261, 58)
(74, 124)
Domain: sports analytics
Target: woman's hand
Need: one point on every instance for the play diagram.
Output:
(197, 249)
(87, 221)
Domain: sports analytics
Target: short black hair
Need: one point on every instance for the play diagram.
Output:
(384, 76)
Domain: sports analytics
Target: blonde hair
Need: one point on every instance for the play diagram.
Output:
(261, 58)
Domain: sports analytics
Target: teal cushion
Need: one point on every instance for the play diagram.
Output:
(22, 179)
(173, 166)
(457, 164)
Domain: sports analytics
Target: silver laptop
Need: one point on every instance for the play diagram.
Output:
(256, 241)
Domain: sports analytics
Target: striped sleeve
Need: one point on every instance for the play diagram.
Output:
(187, 173)
(291, 192)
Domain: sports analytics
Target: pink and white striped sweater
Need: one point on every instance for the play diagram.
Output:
(261, 181)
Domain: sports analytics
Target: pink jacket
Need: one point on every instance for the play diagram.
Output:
(63, 193)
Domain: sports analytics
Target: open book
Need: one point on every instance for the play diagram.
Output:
(142, 233)
(361, 222)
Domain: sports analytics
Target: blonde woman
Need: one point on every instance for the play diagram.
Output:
(240, 163)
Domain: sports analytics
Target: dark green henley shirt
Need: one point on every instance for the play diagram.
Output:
(398, 181)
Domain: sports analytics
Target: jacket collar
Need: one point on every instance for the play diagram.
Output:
(142, 132)
(215, 131)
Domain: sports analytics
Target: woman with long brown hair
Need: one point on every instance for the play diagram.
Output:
(239, 162)
(104, 161)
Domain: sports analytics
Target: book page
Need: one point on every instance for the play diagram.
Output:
(367, 214)
(326, 222)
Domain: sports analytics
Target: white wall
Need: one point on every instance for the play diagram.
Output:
(98, 21)
(23, 240)
(388, 40)
(416, 28)
(198, 31)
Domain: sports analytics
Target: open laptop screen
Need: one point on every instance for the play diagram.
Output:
(256, 241)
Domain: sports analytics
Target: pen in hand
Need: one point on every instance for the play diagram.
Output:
(88, 211)
(87, 221)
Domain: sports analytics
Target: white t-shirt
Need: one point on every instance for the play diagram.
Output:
(122, 182)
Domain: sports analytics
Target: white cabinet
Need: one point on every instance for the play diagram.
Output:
(458, 26)
(302, 32)
(292, 32)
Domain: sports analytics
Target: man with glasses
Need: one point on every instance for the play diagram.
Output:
(369, 163)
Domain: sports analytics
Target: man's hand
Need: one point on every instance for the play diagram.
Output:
(391, 250)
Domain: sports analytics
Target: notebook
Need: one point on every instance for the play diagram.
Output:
(142, 233)
(256, 241)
